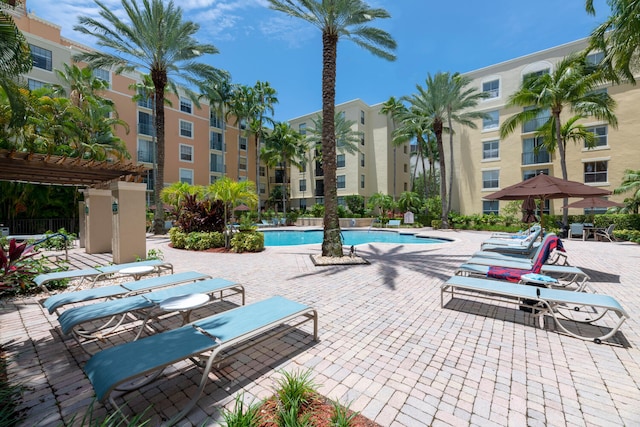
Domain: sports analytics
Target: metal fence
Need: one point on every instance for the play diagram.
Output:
(39, 226)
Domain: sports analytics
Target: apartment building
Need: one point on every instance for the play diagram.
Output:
(378, 166)
(485, 163)
(200, 145)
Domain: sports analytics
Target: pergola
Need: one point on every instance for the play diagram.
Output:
(59, 170)
(113, 216)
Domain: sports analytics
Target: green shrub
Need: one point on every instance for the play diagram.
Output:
(436, 224)
(178, 238)
(292, 216)
(59, 242)
(200, 241)
(251, 241)
(241, 417)
(317, 210)
(627, 235)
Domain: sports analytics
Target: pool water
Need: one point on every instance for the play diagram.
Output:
(350, 237)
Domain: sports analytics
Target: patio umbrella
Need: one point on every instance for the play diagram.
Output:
(241, 208)
(594, 202)
(529, 210)
(546, 187)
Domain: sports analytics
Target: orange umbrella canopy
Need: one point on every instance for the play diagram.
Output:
(594, 202)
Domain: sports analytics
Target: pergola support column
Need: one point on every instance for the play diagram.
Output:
(128, 213)
(97, 212)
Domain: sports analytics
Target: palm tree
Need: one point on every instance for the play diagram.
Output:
(462, 101)
(348, 19)
(412, 124)
(15, 59)
(347, 139)
(444, 99)
(630, 183)
(157, 40)
(284, 146)
(241, 106)
(392, 109)
(232, 193)
(572, 85)
(618, 37)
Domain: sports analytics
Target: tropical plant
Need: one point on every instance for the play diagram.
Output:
(351, 20)
(232, 194)
(382, 202)
(355, 203)
(342, 416)
(347, 139)
(618, 38)
(572, 85)
(630, 184)
(409, 201)
(284, 146)
(155, 39)
(241, 415)
(201, 215)
(250, 241)
(15, 270)
(445, 99)
(175, 194)
(15, 59)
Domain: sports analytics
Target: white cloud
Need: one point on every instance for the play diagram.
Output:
(290, 30)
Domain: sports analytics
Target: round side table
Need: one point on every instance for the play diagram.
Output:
(137, 272)
(184, 304)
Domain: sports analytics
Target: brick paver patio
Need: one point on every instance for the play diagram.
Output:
(386, 346)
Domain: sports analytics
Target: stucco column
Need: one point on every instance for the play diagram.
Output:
(128, 213)
(98, 220)
(82, 223)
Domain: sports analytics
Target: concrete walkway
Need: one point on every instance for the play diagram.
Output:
(386, 346)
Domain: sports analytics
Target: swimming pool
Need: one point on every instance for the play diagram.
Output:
(350, 237)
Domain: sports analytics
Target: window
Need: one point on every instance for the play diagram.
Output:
(490, 179)
(340, 161)
(406, 187)
(362, 139)
(145, 151)
(362, 159)
(144, 100)
(405, 168)
(341, 181)
(535, 74)
(103, 74)
(535, 124)
(186, 176)
(186, 129)
(303, 204)
(185, 105)
(491, 89)
(215, 120)
(492, 121)
(490, 149)
(600, 137)
(186, 153)
(531, 173)
(596, 171)
(242, 143)
(215, 141)
(242, 164)
(302, 129)
(302, 186)
(533, 151)
(263, 188)
(262, 171)
(41, 57)
(216, 163)
(404, 148)
(490, 207)
(361, 181)
(35, 84)
(596, 58)
(361, 116)
(145, 124)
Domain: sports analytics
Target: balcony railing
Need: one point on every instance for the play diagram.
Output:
(319, 191)
(532, 158)
(535, 124)
(319, 171)
(145, 156)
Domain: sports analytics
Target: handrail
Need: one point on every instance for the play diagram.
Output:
(49, 236)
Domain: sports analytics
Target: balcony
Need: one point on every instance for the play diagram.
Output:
(146, 129)
(532, 158)
(319, 171)
(145, 156)
(319, 191)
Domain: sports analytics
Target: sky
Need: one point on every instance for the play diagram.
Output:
(256, 43)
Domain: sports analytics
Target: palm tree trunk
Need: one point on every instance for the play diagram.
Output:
(563, 166)
(332, 240)
(159, 79)
(437, 129)
(451, 161)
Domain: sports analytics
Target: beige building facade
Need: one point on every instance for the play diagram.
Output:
(485, 163)
(378, 166)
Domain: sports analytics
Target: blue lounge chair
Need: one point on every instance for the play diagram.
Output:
(71, 320)
(519, 243)
(541, 301)
(99, 273)
(53, 303)
(230, 332)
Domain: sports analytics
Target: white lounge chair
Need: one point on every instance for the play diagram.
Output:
(542, 301)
